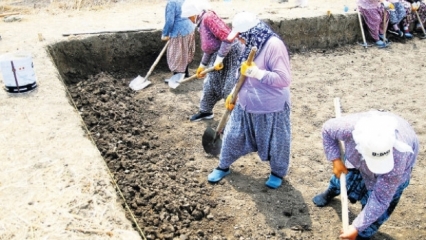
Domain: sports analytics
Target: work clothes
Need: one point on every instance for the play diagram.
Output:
(382, 187)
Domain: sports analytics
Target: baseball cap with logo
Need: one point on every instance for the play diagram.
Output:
(375, 139)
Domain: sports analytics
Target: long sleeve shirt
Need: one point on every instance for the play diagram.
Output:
(272, 92)
(213, 35)
(383, 186)
(175, 25)
(368, 4)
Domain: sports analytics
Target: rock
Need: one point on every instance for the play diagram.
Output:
(15, 18)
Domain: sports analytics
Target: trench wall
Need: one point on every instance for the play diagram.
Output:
(131, 53)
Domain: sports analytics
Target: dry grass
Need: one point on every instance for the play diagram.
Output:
(7, 8)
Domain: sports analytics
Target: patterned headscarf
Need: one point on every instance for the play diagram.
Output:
(257, 36)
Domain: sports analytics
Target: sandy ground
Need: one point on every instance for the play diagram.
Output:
(54, 183)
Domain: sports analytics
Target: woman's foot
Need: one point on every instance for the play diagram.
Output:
(380, 44)
(274, 181)
(201, 116)
(398, 32)
(323, 198)
(218, 174)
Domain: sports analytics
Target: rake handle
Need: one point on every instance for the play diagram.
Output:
(238, 86)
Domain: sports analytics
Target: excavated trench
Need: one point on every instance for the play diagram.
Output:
(142, 136)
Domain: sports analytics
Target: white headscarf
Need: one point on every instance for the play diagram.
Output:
(194, 7)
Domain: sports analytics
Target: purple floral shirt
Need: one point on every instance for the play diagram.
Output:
(383, 186)
(213, 34)
(368, 4)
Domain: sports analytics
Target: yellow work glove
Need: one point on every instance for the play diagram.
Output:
(339, 167)
(199, 70)
(252, 71)
(230, 106)
(245, 66)
(350, 234)
(218, 63)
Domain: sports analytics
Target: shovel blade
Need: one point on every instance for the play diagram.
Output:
(212, 143)
(174, 81)
(139, 83)
(137, 80)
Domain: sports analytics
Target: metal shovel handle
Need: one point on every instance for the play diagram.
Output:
(238, 86)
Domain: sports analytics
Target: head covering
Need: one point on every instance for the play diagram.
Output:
(375, 139)
(242, 22)
(194, 7)
(255, 36)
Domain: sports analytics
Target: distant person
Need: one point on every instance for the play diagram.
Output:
(372, 12)
(217, 52)
(180, 32)
(260, 120)
(380, 152)
(397, 16)
(419, 7)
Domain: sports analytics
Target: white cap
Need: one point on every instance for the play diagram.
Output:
(242, 22)
(375, 139)
(194, 7)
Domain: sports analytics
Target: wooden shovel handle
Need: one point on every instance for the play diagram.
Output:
(343, 190)
(195, 75)
(157, 60)
(420, 21)
(238, 86)
(385, 25)
(362, 29)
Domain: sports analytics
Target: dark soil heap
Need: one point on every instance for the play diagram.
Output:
(151, 173)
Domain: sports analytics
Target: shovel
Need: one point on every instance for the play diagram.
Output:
(212, 143)
(177, 79)
(139, 82)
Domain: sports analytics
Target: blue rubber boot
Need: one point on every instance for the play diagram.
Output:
(408, 35)
(323, 198)
(273, 182)
(217, 174)
(380, 44)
